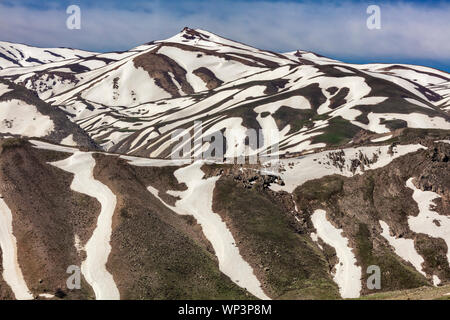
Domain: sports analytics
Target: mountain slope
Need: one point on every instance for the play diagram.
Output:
(350, 170)
(19, 55)
(24, 114)
(134, 104)
(145, 262)
(278, 237)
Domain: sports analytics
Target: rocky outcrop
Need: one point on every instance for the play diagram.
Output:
(208, 77)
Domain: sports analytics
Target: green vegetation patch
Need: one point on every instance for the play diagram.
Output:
(394, 274)
(338, 132)
(296, 118)
(318, 190)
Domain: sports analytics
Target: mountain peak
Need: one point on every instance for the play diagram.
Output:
(192, 34)
(209, 40)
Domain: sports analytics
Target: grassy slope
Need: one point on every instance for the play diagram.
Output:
(350, 201)
(289, 264)
(422, 293)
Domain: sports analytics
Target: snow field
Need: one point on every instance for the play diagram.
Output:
(98, 247)
(318, 165)
(347, 274)
(197, 201)
(23, 119)
(68, 141)
(425, 221)
(12, 274)
(404, 248)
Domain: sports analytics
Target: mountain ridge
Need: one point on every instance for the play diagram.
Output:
(157, 71)
(157, 171)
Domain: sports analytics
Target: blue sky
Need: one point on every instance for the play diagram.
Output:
(416, 32)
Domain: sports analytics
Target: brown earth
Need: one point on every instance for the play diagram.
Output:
(287, 263)
(208, 77)
(158, 67)
(46, 216)
(356, 205)
(157, 254)
(5, 290)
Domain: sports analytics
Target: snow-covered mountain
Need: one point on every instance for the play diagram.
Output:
(88, 179)
(132, 102)
(20, 55)
(22, 113)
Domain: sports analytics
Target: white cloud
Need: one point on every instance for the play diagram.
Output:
(407, 31)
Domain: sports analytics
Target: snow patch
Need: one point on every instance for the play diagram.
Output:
(20, 118)
(318, 165)
(98, 248)
(4, 88)
(78, 245)
(414, 120)
(52, 147)
(436, 280)
(380, 139)
(68, 141)
(424, 222)
(12, 274)
(147, 162)
(404, 248)
(348, 274)
(197, 201)
(93, 64)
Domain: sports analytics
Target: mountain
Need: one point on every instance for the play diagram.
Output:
(23, 114)
(132, 105)
(14, 55)
(300, 173)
